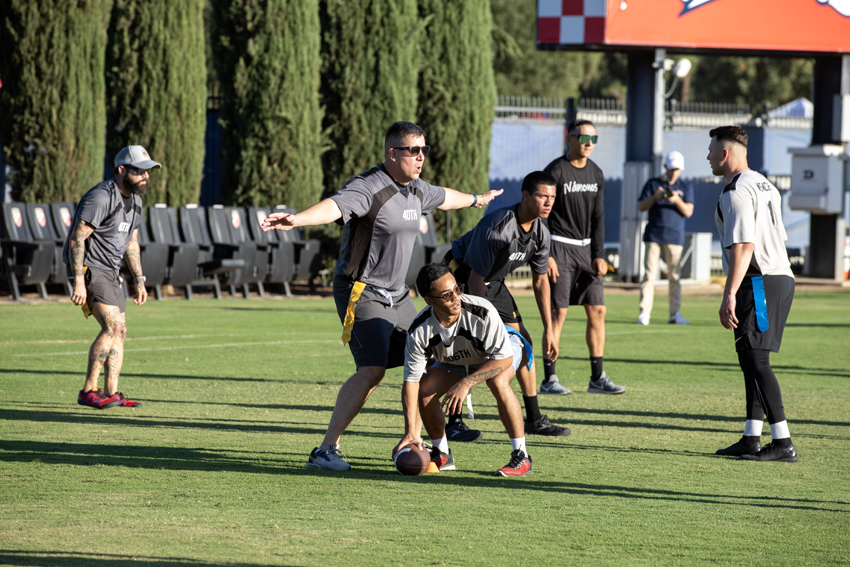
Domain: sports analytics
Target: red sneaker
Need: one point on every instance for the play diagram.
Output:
(124, 402)
(96, 399)
(444, 462)
(520, 465)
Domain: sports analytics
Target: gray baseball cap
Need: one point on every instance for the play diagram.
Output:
(137, 156)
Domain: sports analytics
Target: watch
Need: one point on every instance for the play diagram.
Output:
(140, 279)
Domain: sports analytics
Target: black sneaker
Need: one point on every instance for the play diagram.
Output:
(542, 426)
(772, 452)
(739, 448)
(459, 431)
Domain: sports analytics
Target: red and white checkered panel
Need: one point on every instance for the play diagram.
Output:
(571, 22)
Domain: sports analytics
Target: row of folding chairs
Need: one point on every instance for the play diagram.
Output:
(187, 247)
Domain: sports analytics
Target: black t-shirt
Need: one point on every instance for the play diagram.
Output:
(579, 210)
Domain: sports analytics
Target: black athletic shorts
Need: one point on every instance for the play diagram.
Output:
(497, 293)
(379, 334)
(762, 314)
(577, 282)
(102, 286)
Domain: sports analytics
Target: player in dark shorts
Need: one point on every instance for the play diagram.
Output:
(759, 290)
(105, 229)
(380, 209)
(466, 338)
(577, 263)
(500, 243)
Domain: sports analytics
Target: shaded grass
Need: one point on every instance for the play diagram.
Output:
(211, 470)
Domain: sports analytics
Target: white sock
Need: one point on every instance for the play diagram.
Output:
(442, 444)
(779, 430)
(753, 428)
(519, 443)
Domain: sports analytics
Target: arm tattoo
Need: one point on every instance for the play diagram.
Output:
(479, 377)
(77, 246)
(132, 257)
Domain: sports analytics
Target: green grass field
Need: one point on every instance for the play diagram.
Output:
(236, 393)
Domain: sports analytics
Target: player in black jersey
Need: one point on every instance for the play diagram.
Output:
(576, 262)
(500, 243)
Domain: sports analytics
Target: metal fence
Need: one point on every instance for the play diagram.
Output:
(612, 112)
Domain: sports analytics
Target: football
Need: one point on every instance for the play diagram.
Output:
(411, 460)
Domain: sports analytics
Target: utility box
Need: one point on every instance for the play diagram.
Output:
(817, 179)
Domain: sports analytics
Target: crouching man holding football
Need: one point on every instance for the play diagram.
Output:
(470, 344)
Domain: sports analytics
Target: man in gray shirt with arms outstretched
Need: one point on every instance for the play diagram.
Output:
(380, 209)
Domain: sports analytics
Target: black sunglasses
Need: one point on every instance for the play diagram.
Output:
(135, 170)
(414, 150)
(450, 295)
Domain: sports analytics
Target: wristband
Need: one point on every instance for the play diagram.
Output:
(140, 279)
(474, 200)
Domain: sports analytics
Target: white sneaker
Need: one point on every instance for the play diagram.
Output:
(677, 319)
(604, 385)
(643, 318)
(328, 459)
(552, 386)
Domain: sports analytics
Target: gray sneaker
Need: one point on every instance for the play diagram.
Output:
(604, 386)
(328, 459)
(552, 386)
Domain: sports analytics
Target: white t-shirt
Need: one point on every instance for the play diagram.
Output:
(480, 336)
(750, 210)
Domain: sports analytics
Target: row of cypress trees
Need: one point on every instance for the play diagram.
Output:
(309, 88)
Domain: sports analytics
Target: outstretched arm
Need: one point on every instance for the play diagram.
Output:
(458, 200)
(323, 212)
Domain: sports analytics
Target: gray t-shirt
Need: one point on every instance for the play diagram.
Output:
(498, 245)
(114, 219)
(479, 336)
(750, 210)
(381, 222)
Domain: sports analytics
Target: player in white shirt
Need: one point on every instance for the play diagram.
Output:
(759, 289)
(469, 343)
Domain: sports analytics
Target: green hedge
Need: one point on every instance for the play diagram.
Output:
(267, 57)
(457, 97)
(52, 112)
(368, 80)
(157, 91)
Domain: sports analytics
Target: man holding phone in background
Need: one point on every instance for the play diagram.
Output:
(669, 201)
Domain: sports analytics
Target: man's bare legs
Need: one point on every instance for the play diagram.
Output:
(527, 377)
(559, 315)
(350, 400)
(438, 381)
(509, 410)
(595, 329)
(600, 382)
(107, 348)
